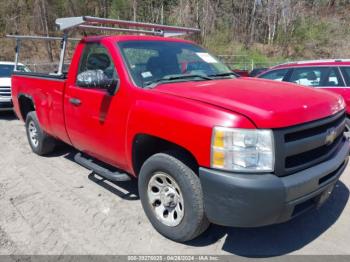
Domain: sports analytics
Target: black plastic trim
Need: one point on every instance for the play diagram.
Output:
(289, 143)
(101, 168)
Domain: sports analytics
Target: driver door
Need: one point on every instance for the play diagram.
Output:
(88, 110)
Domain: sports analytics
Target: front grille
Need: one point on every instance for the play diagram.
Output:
(5, 91)
(299, 159)
(300, 147)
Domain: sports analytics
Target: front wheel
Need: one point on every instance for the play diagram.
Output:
(172, 198)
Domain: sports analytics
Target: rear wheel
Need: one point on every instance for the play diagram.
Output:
(40, 142)
(172, 198)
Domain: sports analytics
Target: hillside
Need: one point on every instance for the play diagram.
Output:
(249, 32)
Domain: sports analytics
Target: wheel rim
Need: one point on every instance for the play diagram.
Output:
(165, 198)
(33, 134)
(347, 131)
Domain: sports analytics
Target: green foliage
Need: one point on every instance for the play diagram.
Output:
(120, 9)
(310, 33)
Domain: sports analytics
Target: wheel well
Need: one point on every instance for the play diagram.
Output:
(145, 146)
(26, 105)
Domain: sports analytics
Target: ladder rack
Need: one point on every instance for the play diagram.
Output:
(90, 22)
(67, 24)
(63, 40)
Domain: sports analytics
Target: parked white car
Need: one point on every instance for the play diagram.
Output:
(6, 69)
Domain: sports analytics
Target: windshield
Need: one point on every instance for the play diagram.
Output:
(7, 70)
(152, 62)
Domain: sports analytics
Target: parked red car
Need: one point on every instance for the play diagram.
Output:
(240, 72)
(205, 145)
(332, 75)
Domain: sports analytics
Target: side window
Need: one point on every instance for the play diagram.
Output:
(277, 75)
(332, 78)
(346, 74)
(316, 76)
(95, 57)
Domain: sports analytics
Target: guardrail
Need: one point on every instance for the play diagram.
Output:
(244, 62)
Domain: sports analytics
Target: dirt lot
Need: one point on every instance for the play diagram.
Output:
(51, 205)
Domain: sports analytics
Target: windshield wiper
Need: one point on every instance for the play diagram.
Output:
(170, 78)
(225, 74)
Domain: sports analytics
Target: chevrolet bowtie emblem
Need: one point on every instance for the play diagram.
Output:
(331, 136)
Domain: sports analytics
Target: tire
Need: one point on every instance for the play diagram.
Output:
(347, 128)
(40, 142)
(347, 124)
(190, 220)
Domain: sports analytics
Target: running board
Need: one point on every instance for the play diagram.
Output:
(100, 170)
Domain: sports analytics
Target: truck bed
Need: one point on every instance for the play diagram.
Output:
(47, 94)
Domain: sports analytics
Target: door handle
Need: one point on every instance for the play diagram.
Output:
(75, 101)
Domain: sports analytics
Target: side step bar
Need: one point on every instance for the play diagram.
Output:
(100, 169)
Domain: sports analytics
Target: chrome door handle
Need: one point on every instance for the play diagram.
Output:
(75, 101)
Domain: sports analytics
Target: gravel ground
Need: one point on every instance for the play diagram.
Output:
(51, 205)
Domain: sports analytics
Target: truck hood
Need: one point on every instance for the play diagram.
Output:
(5, 81)
(268, 104)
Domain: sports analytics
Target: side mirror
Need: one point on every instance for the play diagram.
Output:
(97, 79)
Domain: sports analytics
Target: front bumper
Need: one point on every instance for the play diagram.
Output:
(253, 200)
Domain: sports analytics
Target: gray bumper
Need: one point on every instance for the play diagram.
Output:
(252, 200)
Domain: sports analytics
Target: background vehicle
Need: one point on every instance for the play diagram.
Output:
(6, 70)
(330, 75)
(205, 145)
(257, 71)
(241, 72)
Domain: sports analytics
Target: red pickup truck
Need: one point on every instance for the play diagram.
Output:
(204, 145)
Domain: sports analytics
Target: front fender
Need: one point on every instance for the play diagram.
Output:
(180, 121)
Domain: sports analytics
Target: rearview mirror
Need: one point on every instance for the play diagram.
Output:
(97, 79)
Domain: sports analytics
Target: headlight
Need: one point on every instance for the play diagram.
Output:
(244, 150)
